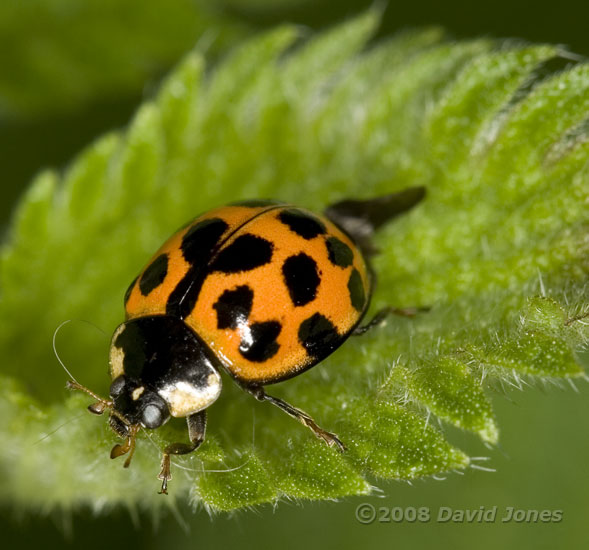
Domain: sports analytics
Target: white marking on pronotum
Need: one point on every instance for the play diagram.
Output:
(184, 398)
(117, 355)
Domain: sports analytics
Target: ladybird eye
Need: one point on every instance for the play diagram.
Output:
(117, 386)
(152, 416)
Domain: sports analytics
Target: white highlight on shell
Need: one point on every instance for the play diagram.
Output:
(184, 398)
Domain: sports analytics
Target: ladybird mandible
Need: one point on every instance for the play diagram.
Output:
(262, 290)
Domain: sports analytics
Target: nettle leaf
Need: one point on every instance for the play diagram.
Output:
(57, 55)
(498, 252)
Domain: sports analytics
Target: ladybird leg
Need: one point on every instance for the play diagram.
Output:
(361, 218)
(197, 424)
(329, 438)
(381, 315)
(127, 447)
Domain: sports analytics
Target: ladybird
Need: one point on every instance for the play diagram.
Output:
(261, 290)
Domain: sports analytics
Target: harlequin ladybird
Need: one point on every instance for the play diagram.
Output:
(261, 290)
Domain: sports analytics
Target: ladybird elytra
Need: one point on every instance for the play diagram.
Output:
(273, 298)
(262, 290)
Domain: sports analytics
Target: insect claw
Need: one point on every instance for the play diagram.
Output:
(118, 450)
(165, 474)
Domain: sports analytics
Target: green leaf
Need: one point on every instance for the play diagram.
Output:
(498, 251)
(449, 389)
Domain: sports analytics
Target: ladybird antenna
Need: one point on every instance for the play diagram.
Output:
(55, 333)
(55, 430)
(101, 404)
(203, 471)
(72, 384)
(186, 468)
(57, 354)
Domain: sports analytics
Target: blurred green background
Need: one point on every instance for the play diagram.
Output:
(541, 463)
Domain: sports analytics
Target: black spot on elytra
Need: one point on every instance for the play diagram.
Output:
(233, 307)
(154, 275)
(261, 345)
(339, 253)
(129, 290)
(301, 223)
(301, 278)
(318, 335)
(244, 253)
(200, 240)
(198, 246)
(356, 289)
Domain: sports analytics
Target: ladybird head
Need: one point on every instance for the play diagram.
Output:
(159, 368)
(137, 405)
